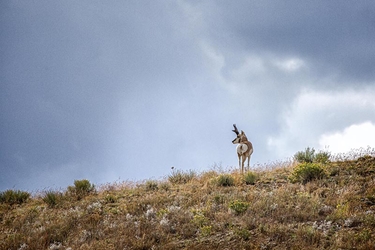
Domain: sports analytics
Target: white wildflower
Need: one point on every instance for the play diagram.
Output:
(164, 221)
(40, 229)
(274, 206)
(75, 210)
(174, 208)
(96, 206)
(23, 246)
(325, 226)
(85, 235)
(55, 246)
(150, 213)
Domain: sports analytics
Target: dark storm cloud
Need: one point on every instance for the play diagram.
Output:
(51, 85)
(128, 89)
(65, 68)
(335, 37)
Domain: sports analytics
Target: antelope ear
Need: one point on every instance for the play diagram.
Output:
(242, 132)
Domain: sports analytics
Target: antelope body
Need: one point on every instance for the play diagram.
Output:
(244, 148)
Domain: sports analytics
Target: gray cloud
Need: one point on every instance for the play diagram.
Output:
(127, 90)
(334, 37)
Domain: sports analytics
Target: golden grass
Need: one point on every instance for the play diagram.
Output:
(335, 212)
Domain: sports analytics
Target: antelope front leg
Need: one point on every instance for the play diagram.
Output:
(248, 164)
(243, 164)
(239, 161)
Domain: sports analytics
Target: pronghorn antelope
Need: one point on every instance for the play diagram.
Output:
(244, 148)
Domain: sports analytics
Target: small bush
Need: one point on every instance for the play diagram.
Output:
(322, 157)
(238, 207)
(199, 219)
(52, 198)
(151, 185)
(306, 156)
(250, 178)
(243, 233)
(81, 188)
(225, 180)
(305, 172)
(206, 230)
(309, 156)
(110, 198)
(14, 197)
(219, 199)
(165, 186)
(84, 186)
(181, 177)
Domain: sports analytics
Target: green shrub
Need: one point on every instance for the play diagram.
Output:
(225, 180)
(81, 188)
(14, 197)
(84, 186)
(181, 177)
(243, 233)
(305, 172)
(199, 219)
(322, 157)
(164, 186)
(306, 156)
(206, 230)
(309, 156)
(110, 198)
(151, 185)
(219, 199)
(52, 198)
(238, 207)
(250, 178)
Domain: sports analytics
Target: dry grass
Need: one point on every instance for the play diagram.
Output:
(334, 212)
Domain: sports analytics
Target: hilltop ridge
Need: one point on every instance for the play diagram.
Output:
(328, 205)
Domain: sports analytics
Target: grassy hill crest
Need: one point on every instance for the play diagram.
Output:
(315, 203)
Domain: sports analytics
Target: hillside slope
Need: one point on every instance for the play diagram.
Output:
(211, 210)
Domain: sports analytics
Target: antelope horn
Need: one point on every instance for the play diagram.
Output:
(235, 130)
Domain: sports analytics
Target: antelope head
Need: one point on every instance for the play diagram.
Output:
(241, 137)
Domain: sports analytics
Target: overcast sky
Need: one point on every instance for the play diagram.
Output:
(124, 90)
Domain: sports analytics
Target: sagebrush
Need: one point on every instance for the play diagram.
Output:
(14, 197)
